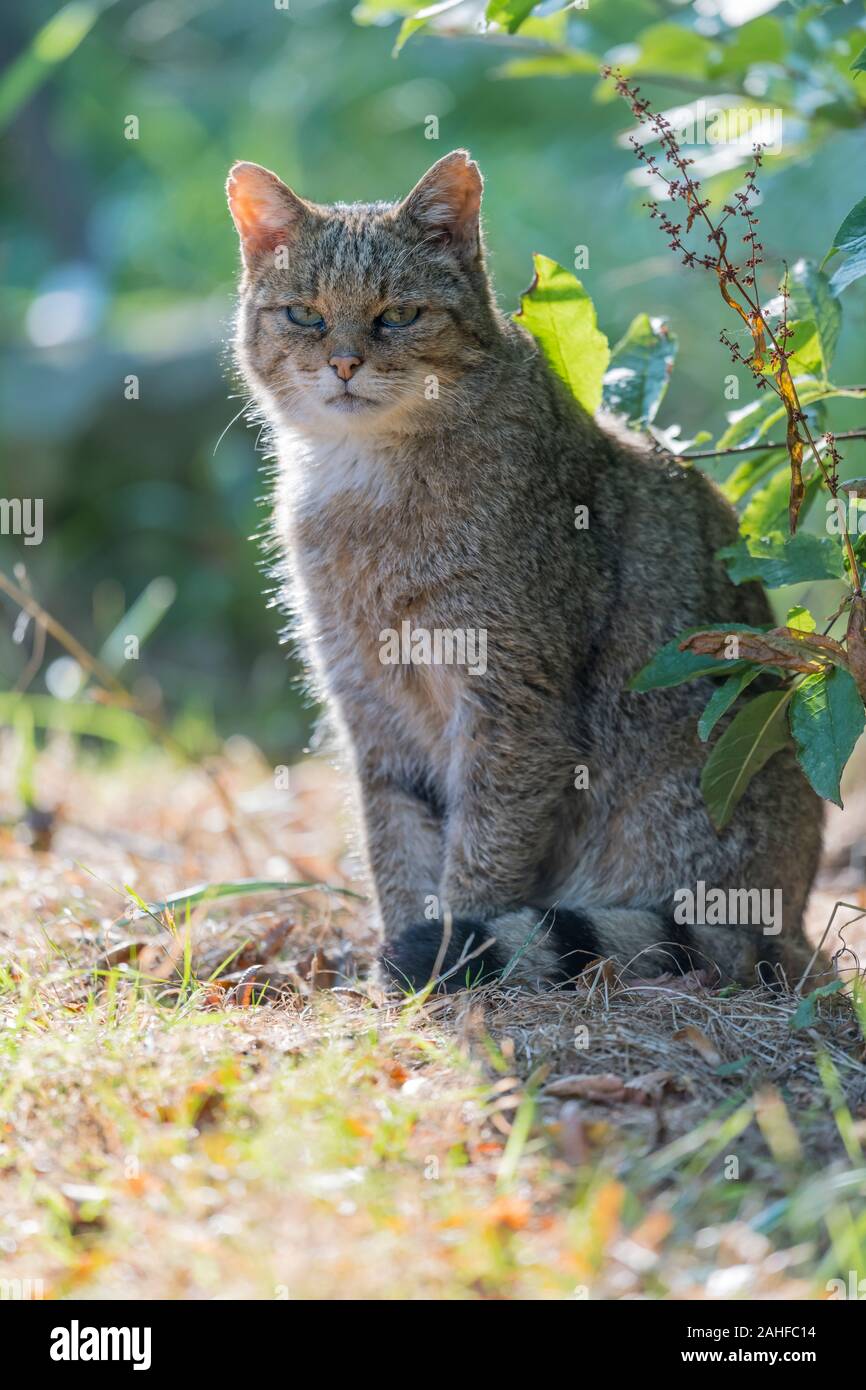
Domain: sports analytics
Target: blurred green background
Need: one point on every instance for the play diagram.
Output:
(118, 259)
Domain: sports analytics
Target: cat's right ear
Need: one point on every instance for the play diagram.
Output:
(265, 211)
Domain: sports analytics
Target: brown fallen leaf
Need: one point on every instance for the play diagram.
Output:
(700, 1042)
(318, 970)
(214, 996)
(586, 1086)
(123, 952)
(397, 1073)
(258, 952)
(255, 985)
(161, 959)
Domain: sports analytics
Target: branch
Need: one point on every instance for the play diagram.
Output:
(755, 448)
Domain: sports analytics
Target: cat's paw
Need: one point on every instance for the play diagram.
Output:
(472, 956)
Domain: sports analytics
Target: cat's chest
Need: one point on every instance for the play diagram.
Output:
(367, 546)
(374, 565)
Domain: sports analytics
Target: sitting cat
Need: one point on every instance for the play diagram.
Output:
(473, 645)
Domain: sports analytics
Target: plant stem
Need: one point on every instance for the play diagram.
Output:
(756, 448)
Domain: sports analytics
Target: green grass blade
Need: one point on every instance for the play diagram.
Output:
(236, 888)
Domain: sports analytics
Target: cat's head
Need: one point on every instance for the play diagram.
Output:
(362, 317)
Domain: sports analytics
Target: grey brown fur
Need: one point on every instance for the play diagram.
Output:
(447, 499)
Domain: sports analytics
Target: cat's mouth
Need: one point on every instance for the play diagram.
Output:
(349, 401)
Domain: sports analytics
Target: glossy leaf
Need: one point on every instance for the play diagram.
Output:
(722, 699)
(811, 298)
(755, 734)
(509, 14)
(639, 371)
(767, 510)
(850, 240)
(777, 560)
(559, 313)
(827, 718)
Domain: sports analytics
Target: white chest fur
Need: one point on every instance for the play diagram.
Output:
(320, 471)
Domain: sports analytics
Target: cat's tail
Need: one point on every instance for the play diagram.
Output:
(541, 948)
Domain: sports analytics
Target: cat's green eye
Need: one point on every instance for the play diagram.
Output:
(399, 315)
(305, 316)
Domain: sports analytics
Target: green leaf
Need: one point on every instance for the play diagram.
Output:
(800, 619)
(827, 718)
(753, 422)
(420, 20)
(670, 48)
(851, 241)
(509, 14)
(381, 12)
(777, 559)
(805, 1015)
(749, 473)
(722, 699)
(551, 65)
(762, 40)
(803, 348)
(811, 298)
(859, 63)
(639, 371)
(670, 666)
(734, 1068)
(767, 510)
(561, 316)
(756, 733)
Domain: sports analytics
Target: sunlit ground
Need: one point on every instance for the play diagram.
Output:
(208, 1102)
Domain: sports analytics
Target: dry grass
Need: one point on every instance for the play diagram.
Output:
(171, 1129)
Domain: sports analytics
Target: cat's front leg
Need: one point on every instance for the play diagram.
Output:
(507, 786)
(404, 848)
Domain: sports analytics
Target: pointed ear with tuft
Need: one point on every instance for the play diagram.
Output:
(265, 211)
(446, 203)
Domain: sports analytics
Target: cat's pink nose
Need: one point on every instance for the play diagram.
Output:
(344, 366)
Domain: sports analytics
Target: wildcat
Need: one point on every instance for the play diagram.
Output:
(429, 464)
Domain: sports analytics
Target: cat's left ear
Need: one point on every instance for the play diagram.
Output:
(265, 211)
(446, 202)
